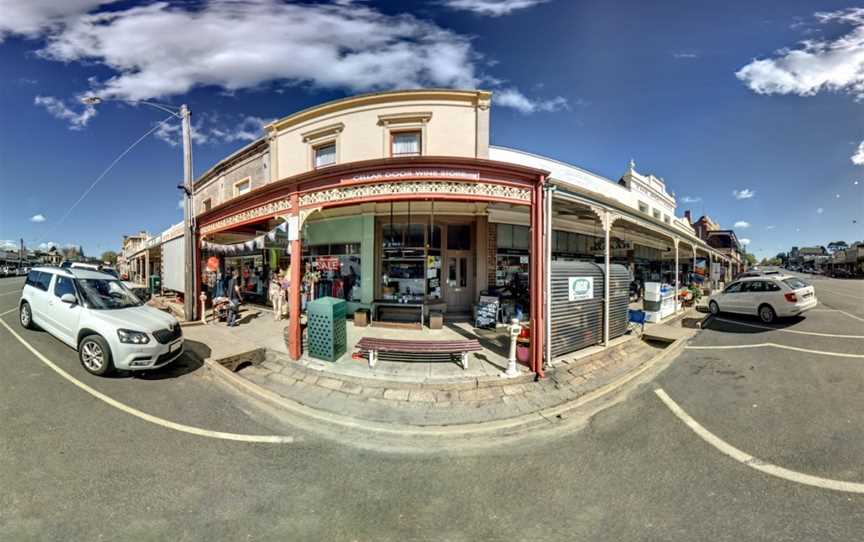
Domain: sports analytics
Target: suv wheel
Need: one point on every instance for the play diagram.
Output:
(714, 308)
(767, 314)
(25, 316)
(95, 355)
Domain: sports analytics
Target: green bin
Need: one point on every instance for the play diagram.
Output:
(326, 330)
(155, 285)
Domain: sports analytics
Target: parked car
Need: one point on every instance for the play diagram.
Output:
(97, 315)
(769, 297)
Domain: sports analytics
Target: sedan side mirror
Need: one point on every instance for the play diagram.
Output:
(69, 298)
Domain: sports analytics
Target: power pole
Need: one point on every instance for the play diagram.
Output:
(188, 230)
(21, 253)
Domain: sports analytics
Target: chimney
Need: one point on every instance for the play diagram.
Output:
(688, 217)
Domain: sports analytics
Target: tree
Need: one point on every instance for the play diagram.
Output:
(750, 259)
(782, 257)
(834, 246)
(109, 256)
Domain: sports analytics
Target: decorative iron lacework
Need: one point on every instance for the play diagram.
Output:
(481, 190)
(272, 208)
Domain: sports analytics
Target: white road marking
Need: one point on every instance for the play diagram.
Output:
(271, 439)
(7, 312)
(838, 292)
(851, 315)
(774, 345)
(753, 462)
(789, 330)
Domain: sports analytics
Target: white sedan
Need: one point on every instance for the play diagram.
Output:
(768, 297)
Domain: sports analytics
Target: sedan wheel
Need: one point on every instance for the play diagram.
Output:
(766, 314)
(95, 355)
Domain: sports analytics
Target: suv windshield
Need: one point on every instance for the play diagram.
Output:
(107, 294)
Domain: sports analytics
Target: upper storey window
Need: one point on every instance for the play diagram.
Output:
(325, 155)
(241, 187)
(405, 143)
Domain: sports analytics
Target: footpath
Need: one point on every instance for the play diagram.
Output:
(253, 362)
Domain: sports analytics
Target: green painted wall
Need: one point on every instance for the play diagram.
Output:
(353, 229)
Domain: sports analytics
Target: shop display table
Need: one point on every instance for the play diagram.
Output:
(394, 305)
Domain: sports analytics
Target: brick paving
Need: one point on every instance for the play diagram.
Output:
(436, 403)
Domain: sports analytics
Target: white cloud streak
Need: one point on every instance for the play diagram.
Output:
(328, 45)
(215, 129)
(743, 194)
(820, 210)
(30, 18)
(39, 218)
(685, 55)
(815, 65)
(510, 97)
(741, 224)
(77, 119)
(272, 44)
(691, 199)
(8, 244)
(744, 241)
(492, 8)
(858, 157)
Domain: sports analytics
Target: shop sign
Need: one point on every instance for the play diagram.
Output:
(580, 288)
(715, 271)
(328, 263)
(413, 173)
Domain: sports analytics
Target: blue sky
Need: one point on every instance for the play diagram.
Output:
(591, 83)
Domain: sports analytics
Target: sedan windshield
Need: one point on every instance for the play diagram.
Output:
(107, 294)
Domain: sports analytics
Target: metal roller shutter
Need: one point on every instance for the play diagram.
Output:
(619, 300)
(575, 324)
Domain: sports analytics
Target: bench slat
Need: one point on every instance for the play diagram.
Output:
(393, 345)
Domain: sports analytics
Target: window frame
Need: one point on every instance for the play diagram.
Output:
(416, 131)
(322, 145)
(236, 192)
(644, 208)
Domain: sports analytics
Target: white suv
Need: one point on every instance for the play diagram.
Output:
(96, 314)
(767, 296)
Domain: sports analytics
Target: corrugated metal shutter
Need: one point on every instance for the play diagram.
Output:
(619, 300)
(173, 266)
(575, 324)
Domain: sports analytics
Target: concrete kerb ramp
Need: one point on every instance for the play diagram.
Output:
(569, 415)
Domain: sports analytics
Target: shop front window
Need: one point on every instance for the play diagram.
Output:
(338, 270)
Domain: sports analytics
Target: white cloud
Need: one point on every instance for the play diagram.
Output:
(181, 203)
(8, 244)
(510, 97)
(46, 246)
(29, 18)
(328, 45)
(744, 241)
(339, 45)
(820, 210)
(214, 128)
(743, 194)
(493, 8)
(58, 108)
(858, 157)
(771, 227)
(741, 224)
(815, 65)
(37, 218)
(691, 199)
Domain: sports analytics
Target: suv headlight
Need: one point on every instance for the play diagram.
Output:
(132, 337)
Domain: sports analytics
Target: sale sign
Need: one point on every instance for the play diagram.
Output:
(328, 263)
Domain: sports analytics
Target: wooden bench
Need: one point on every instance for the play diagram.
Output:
(461, 347)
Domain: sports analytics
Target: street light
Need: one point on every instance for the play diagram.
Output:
(183, 114)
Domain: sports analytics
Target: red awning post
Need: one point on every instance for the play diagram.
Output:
(537, 279)
(294, 298)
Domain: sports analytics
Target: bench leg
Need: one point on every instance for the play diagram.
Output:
(373, 358)
(464, 360)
